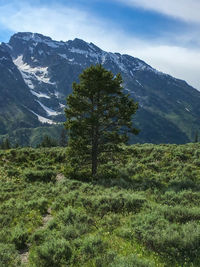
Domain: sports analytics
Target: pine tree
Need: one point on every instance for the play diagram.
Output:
(5, 144)
(63, 138)
(99, 116)
(47, 141)
(196, 138)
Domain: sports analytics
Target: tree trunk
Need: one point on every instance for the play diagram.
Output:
(94, 158)
(95, 136)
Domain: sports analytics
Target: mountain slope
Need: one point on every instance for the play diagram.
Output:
(14, 97)
(43, 71)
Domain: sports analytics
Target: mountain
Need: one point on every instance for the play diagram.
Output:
(37, 73)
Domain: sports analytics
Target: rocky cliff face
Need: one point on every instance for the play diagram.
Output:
(37, 73)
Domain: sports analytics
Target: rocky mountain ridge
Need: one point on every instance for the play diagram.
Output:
(37, 73)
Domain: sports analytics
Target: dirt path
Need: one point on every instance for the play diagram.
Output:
(60, 177)
(24, 256)
(46, 218)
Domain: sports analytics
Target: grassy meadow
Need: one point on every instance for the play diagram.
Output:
(142, 211)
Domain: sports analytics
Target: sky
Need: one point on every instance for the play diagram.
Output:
(165, 34)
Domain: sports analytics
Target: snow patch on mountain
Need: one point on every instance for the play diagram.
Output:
(32, 73)
(139, 83)
(9, 46)
(40, 94)
(41, 52)
(65, 57)
(57, 94)
(85, 52)
(49, 111)
(103, 57)
(31, 49)
(140, 66)
(43, 119)
(10, 71)
(62, 106)
(27, 80)
(118, 61)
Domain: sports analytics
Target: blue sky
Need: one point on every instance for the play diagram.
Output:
(165, 34)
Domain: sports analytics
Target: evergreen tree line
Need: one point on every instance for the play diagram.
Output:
(5, 144)
(47, 141)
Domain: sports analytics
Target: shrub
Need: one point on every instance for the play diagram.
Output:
(19, 237)
(40, 204)
(13, 172)
(114, 202)
(52, 252)
(75, 172)
(70, 232)
(185, 197)
(110, 221)
(36, 175)
(8, 256)
(125, 232)
(147, 180)
(130, 261)
(177, 242)
(180, 214)
(106, 260)
(92, 246)
(76, 217)
(183, 183)
(108, 171)
(39, 236)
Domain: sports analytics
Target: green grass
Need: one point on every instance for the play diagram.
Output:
(143, 210)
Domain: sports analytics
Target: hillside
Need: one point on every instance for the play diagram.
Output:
(37, 74)
(142, 211)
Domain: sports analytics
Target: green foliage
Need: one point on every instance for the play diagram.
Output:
(40, 204)
(161, 231)
(53, 252)
(196, 137)
(5, 144)
(184, 198)
(19, 237)
(36, 175)
(99, 116)
(92, 246)
(63, 138)
(143, 211)
(8, 255)
(48, 141)
(129, 261)
(114, 202)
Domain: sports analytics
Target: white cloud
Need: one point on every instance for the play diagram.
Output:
(187, 10)
(58, 22)
(177, 61)
(63, 23)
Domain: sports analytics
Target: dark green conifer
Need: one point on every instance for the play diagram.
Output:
(196, 138)
(63, 138)
(99, 116)
(47, 141)
(5, 144)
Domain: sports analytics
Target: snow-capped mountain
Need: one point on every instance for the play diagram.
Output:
(37, 73)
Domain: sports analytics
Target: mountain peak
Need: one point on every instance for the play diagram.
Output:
(78, 43)
(37, 72)
(29, 36)
(24, 40)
